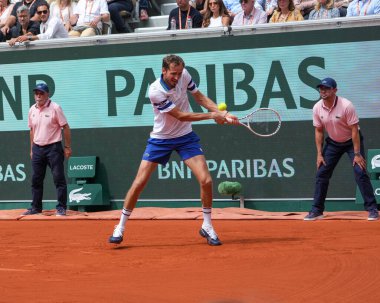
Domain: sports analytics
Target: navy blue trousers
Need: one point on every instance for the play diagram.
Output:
(332, 152)
(51, 155)
(115, 8)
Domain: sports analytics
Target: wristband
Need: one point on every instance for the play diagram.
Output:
(357, 154)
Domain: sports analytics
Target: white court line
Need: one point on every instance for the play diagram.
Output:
(13, 269)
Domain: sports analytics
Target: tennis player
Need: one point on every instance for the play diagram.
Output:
(172, 131)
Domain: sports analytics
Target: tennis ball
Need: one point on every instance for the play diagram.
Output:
(222, 106)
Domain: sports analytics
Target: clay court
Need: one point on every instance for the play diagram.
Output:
(265, 257)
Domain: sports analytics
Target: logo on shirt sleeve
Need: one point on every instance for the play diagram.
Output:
(163, 105)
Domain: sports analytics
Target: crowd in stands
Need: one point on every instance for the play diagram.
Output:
(29, 20)
(248, 12)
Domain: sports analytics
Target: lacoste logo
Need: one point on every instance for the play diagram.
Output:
(146, 155)
(375, 162)
(74, 195)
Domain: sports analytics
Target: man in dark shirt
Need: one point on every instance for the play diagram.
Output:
(12, 19)
(24, 25)
(182, 13)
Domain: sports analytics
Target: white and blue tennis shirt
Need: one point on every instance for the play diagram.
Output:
(164, 100)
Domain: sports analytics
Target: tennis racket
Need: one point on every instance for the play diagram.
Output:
(263, 122)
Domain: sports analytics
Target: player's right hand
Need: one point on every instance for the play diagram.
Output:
(219, 117)
(231, 119)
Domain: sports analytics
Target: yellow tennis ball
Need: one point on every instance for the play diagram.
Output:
(222, 106)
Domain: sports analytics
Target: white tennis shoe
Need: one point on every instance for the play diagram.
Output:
(117, 236)
(209, 233)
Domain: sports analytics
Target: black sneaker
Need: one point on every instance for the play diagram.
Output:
(32, 211)
(60, 212)
(313, 216)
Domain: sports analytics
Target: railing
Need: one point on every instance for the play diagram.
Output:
(166, 35)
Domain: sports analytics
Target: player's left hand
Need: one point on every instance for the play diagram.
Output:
(360, 161)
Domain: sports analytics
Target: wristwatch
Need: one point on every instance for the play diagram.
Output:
(357, 154)
(29, 37)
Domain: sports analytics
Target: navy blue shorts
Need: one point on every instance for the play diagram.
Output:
(159, 150)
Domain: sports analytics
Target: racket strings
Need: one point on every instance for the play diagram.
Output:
(264, 122)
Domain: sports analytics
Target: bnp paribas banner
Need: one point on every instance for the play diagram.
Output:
(105, 101)
(112, 92)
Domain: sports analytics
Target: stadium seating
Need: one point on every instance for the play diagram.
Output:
(158, 16)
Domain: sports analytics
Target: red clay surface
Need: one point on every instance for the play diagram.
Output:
(167, 261)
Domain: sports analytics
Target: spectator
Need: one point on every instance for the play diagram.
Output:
(324, 10)
(24, 26)
(115, 7)
(182, 12)
(249, 14)
(63, 9)
(286, 12)
(233, 7)
(88, 17)
(305, 7)
(200, 5)
(342, 6)
(216, 14)
(51, 27)
(5, 10)
(268, 6)
(143, 7)
(12, 19)
(363, 8)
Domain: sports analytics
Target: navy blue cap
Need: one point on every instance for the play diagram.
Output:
(42, 87)
(327, 82)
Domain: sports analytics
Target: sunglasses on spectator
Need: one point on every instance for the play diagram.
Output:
(213, 3)
(245, 1)
(42, 12)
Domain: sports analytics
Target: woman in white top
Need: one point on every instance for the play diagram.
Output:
(216, 14)
(5, 10)
(63, 9)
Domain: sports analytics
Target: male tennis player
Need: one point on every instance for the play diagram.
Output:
(172, 131)
(338, 117)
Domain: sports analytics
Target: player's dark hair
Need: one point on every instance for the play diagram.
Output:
(172, 59)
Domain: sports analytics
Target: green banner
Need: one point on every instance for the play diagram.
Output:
(103, 92)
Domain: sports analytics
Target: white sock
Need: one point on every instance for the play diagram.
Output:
(206, 216)
(124, 217)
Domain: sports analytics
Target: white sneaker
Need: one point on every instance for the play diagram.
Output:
(210, 230)
(209, 233)
(117, 236)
